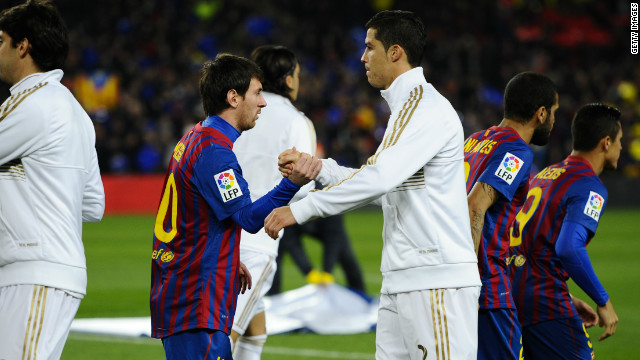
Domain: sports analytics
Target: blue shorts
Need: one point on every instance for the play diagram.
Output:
(199, 344)
(557, 339)
(499, 335)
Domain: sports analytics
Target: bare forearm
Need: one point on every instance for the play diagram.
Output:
(481, 197)
(477, 222)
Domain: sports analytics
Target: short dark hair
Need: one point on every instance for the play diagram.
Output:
(39, 22)
(526, 93)
(592, 123)
(226, 72)
(276, 62)
(403, 28)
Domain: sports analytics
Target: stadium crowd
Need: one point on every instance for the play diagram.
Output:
(134, 66)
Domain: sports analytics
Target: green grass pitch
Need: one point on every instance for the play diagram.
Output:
(119, 253)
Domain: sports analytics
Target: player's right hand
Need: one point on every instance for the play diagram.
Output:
(244, 276)
(305, 169)
(286, 161)
(608, 320)
(586, 312)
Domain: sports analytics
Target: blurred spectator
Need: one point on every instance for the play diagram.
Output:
(146, 55)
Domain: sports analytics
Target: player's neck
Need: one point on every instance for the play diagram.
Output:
(524, 130)
(24, 69)
(594, 159)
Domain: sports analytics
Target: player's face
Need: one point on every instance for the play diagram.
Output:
(295, 83)
(8, 58)
(250, 105)
(613, 154)
(376, 61)
(543, 132)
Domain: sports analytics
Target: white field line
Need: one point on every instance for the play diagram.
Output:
(322, 354)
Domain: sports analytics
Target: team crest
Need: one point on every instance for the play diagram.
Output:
(520, 260)
(509, 167)
(594, 205)
(228, 185)
(167, 256)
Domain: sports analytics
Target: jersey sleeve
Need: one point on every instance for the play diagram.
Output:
(218, 177)
(508, 168)
(586, 201)
(22, 129)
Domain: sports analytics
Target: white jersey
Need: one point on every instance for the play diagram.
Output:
(417, 175)
(49, 184)
(280, 127)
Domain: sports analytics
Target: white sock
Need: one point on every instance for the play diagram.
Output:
(249, 347)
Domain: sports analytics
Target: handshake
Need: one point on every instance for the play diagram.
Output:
(300, 168)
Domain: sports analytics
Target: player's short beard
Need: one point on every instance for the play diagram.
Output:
(542, 133)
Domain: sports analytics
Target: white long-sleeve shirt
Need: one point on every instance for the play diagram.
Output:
(49, 184)
(280, 127)
(417, 174)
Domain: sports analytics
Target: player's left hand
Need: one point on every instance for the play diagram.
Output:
(278, 219)
(244, 277)
(586, 312)
(608, 320)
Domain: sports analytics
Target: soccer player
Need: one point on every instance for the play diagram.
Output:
(430, 285)
(196, 272)
(49, 184)
(498, 161)
(560, 217)
(281, 127)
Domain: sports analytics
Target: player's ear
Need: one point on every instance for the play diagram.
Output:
(605, 143)
(23, 47)
(233, 98)
(289, 81)
(395, 52)
(540, 115)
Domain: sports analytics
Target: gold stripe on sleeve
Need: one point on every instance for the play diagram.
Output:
(345, 179)
(401, 122)
(413, 109)
(14, 100)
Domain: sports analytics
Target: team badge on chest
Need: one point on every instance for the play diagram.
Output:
(228, 185)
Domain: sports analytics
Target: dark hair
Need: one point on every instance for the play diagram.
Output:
(39, 22)
(526, 93)
(592, 123)
(226, 72)
(404, 28)
(276, 62)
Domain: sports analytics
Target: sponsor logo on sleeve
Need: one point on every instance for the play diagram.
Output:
(228, 185)
(594, 205)
(509, 168)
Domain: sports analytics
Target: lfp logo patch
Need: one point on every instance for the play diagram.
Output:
(594, 205)
(509, 167)
(228, 185)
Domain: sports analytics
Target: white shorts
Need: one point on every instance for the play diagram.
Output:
(429, 324)
(262, 268)
(34, 321)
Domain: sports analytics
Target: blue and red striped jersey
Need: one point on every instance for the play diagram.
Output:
(195, 255)
(500, 158)
(569, 190)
